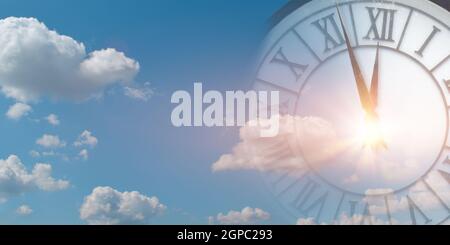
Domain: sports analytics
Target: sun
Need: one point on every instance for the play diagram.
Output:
(372, 134)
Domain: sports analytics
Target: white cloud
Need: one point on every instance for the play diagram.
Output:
(359, 219)
(50, 141)
(86, 138)
(45, 63)
(282, 152)
(18, 110)
(24, 210)
(51, 153)
(15, 179)
(144, 93)
(84, 154)
(52, 119)
(35, 154)
(307, 221)
(211, 220)
(43, 179)
(247, 215)
(106, 205)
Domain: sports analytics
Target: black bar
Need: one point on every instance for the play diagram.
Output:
(279, 234)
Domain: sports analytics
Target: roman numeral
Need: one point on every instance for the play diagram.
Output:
(388, 209)
(447, 161)
(428, 40)
(298, 180)
(445, 175)
(385, 31)
(435, 194)
(284, 107)
(297, 69)
(330, 29)
(366, 216)
(303, 201)
(353, 207)
(336, 214)
(414, 209)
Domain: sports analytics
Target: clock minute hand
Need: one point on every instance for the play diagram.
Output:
(375, 79)
(363, 91)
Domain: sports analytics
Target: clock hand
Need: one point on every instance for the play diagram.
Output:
(375, 77)
(364, 96)
(374, 87)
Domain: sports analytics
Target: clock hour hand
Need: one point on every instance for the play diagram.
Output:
(363, 91)
(375, 78)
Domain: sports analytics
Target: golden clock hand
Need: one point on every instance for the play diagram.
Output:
(375, 77)
(364, 96)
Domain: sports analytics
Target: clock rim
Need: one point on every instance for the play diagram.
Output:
(293, 5)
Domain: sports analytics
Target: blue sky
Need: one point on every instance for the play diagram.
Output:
(176, 44)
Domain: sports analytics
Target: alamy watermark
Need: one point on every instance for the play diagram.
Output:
(236, 108)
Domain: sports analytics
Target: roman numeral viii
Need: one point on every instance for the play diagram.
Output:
(381, 24)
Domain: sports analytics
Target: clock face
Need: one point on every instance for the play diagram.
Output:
(364, 90)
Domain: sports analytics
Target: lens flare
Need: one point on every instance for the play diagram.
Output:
(372, 134)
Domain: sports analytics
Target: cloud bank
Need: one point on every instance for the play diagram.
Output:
(314, 135)
(37, 62)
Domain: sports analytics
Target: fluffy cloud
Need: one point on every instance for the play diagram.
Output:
(40, 62)
(18, 110)
(43, 179)
(50, 141)
(24, 210)
(247, 215)
(15, 179)
(144, 93)
(314, 135)
(86, 138)
(106, 205)
(52, 119)
(84, 154)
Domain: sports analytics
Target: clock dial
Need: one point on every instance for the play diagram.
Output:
(366, 87)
